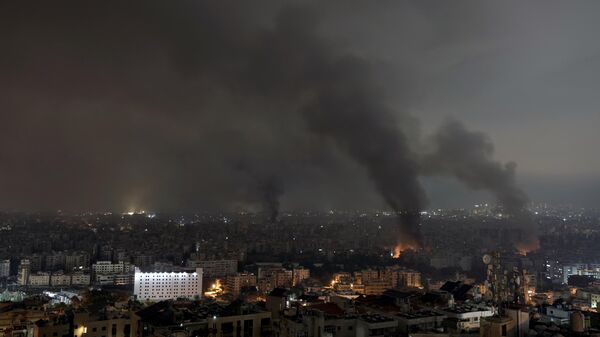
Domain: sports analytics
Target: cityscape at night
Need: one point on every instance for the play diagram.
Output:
(299, 168)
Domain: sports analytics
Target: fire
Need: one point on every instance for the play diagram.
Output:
(401, 247)
(524, 248)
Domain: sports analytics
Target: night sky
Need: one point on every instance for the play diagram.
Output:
(198, 105)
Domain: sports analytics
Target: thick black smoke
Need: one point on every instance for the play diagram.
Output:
(351, 115)
(272, 189)
(468, 156)
(267, 186)
(115, 104)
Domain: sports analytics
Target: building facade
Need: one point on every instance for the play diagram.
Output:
(215, 268)
(4, 268)
(166, 286)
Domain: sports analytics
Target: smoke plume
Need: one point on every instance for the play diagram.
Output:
(151, 101)
(468, 156)
(272, 189)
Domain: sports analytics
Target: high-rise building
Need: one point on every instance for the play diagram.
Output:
(143, 260)
(39, 279)
(107, 267)
(80, 279)
(35, 262)
(24, 271)
(235, 283)
(60, 279)
(108, 273)
(55, 261)
(591, 269)
(299, 275)
(409, 279)
(4, 268)
(76, 261)
(215, 268)
(166, 286)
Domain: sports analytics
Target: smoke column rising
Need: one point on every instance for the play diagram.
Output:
(174, 91)
(468, 156)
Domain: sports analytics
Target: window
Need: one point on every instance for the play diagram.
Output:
(127, 330)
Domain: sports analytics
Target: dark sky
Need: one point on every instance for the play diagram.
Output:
(193, 105)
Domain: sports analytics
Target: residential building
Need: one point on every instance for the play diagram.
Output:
(4, 268)
(215, 268)
(164, 286)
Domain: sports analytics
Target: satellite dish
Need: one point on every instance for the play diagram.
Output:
(487, 259)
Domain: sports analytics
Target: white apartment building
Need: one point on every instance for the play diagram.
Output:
(107, 267)
(39, 279)
(80, 279)
(468, 318)
(60, 279)
(166, 286)
(108, 273)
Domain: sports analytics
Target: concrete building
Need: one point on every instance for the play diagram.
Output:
(376, 287)
(236, 319)
(80, 279)
(374, 325)
(108, 273)
(52, 327)
(496, 326)
(215, 268)
(164, 286)
(465, 318)
(39, 279)
(143, 260)
(76, 261)
(422, 320)
(55, 261)
(24, 271)
(585, 269)
(557, 314)
(252, 324)
(299, 275)
(20, 322)
(409, 279)
(107, 267)
(60, 279)
(4, 268)
(113, 324)
(35, 262)
(520, 318)
(235, 283)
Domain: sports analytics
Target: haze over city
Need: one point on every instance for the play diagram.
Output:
(299, 168)
(132, 110)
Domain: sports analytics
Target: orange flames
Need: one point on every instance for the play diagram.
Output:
(402, 247)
